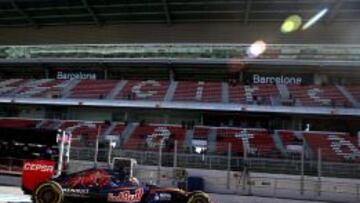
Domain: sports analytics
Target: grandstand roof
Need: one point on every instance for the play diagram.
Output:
(39, 13)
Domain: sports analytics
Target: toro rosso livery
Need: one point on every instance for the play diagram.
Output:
(44, 180)
(100, 185)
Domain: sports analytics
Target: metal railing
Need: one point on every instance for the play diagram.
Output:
(313, 52)
(10, 165)
(181, 156)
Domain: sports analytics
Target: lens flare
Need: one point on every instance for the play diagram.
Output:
(315, 18)
(291, 24)
(256, 49)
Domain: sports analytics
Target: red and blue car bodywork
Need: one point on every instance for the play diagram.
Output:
(99, 185)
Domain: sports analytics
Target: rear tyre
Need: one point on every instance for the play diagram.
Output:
(199, 197)
(49, 192)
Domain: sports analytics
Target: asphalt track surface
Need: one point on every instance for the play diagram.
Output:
(14, 195)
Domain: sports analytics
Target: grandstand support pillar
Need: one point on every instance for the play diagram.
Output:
(47, 74)
(228, 167)
(210, 163)
(241, 76)
(319, 171)
(109, 152)
(171, 74)
(106, 73)
(302, 170)
(175, 154)
(166, 118)
(126, 116)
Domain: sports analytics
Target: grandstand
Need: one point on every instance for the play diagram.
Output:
(259, 142)
(175, 76)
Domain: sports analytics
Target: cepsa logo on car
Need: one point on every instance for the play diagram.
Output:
(126, 196)
(38, 167)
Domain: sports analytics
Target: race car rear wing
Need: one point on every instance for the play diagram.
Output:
(38, 171)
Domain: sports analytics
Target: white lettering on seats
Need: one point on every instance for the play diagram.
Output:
(7, 86)
(245, 138)
(249, 93)
(315, 94)
(338, 144)
(148, 93)
(34, 87)
(38, 167)
(199, 91)
(155, 138)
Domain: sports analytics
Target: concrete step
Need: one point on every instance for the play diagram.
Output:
(189, 137)
(110, 129)
(279, 143)
(348, 96)
(224, 92)
(171, 91)
(212, 140)
(128, 131)
(283, 90)
(68, 86)
(117, 89)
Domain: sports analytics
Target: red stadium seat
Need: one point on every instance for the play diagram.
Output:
(93, 89)
(316, 95)
(198, 91)
(256, 94)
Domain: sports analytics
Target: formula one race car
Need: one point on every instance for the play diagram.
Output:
(45, 181)
(114, 184)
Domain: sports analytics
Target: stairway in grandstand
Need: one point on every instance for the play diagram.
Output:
(119, 86)
(171, 91)
(279, 142)
(284, 91)
(189, 135)
(212, 140)
(348, 96)
(70, 84)
(110, 129)
(224, 92)
(128, 131)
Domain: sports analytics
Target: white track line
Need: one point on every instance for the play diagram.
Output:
(12, 194)
(14, 198)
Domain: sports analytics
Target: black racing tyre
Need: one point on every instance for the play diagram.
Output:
(49, 192)
(199, 197)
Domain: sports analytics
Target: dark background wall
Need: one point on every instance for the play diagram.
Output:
(195, 33)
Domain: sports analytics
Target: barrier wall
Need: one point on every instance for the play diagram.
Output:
(258, 184)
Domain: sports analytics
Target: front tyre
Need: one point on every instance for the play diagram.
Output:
(199, 197)
(49, 192)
